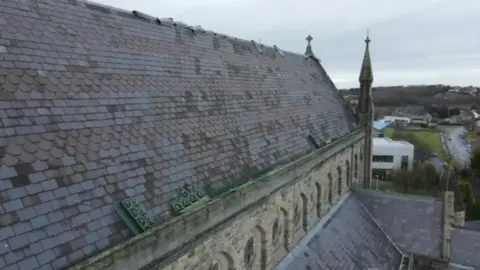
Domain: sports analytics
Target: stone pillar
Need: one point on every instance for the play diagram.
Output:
(448, 220)
(460, 218)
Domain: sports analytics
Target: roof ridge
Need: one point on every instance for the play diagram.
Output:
(170, 22)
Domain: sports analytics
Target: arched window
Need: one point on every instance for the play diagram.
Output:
(339, 180)
(286, 235)
(318, 190)
(296, 216)
(349, 174)
(304, 212)
(355, 170)
(249, 253)
(276, 232)
(330, 188)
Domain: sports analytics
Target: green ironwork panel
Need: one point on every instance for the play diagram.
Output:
(134, 215)
(188, 197)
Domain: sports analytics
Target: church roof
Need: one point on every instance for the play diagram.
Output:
(99, 104)
(465, 247)
(383, 226)
(414, 223)
(347, 237)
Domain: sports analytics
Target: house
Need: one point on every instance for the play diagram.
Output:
(398, 120)
(421, 120)
(133, 142)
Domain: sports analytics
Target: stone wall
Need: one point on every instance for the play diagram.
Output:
(252, 227)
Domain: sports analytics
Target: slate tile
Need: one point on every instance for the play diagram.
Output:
(14, 256)
(42, 209)
(7, 172)
(21, 228)
(29, 263)
(26, 214)
(36, 177)
(46, 257)
(16, 193)
(18, 241)
(6, 232)
(33, 189)
(13, 205)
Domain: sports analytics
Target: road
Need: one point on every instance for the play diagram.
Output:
(457, 145)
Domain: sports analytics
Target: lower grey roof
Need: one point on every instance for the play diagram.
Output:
(413, 222)
(346, 238)
(465, 247)
(474, 224)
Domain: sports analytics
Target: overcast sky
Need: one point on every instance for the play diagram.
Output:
(413, 41)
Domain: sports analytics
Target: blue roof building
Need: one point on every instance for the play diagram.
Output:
(380, 125)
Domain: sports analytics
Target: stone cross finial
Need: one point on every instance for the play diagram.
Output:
(309, 39)
(368, 36)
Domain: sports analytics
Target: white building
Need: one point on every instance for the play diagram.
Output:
(398, 120)
(389, 155)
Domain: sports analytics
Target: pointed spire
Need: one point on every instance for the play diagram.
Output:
(309, 51)
(366, 73)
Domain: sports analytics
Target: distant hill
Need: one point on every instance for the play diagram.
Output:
(420, 95)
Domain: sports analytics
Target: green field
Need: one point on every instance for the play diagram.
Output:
(420, 138)
(469, 136)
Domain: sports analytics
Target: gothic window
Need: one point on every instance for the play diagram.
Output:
(249, 252)
(296, 215)
(286, 235)
(304, 212)
(275, 232)
(355, 170)
(339, 180)
(330, 188)
(318, 190)
(349, 174)
(361, 153)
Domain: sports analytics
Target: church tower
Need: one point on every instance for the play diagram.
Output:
(365, 112)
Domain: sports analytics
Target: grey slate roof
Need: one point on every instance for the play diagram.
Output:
(414, 223)
(346, 238)
(473, 225)
(465, 247)
(97, 105)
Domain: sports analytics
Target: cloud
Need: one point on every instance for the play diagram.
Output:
(413, 42)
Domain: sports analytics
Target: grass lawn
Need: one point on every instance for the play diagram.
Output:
(432, 139)
(469, 136)
(428, 138)
(473, 139)
(389, 132)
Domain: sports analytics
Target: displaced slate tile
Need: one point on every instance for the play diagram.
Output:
(24, 169)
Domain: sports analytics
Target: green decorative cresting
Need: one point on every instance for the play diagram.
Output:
(188, 198)
(134, 215)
